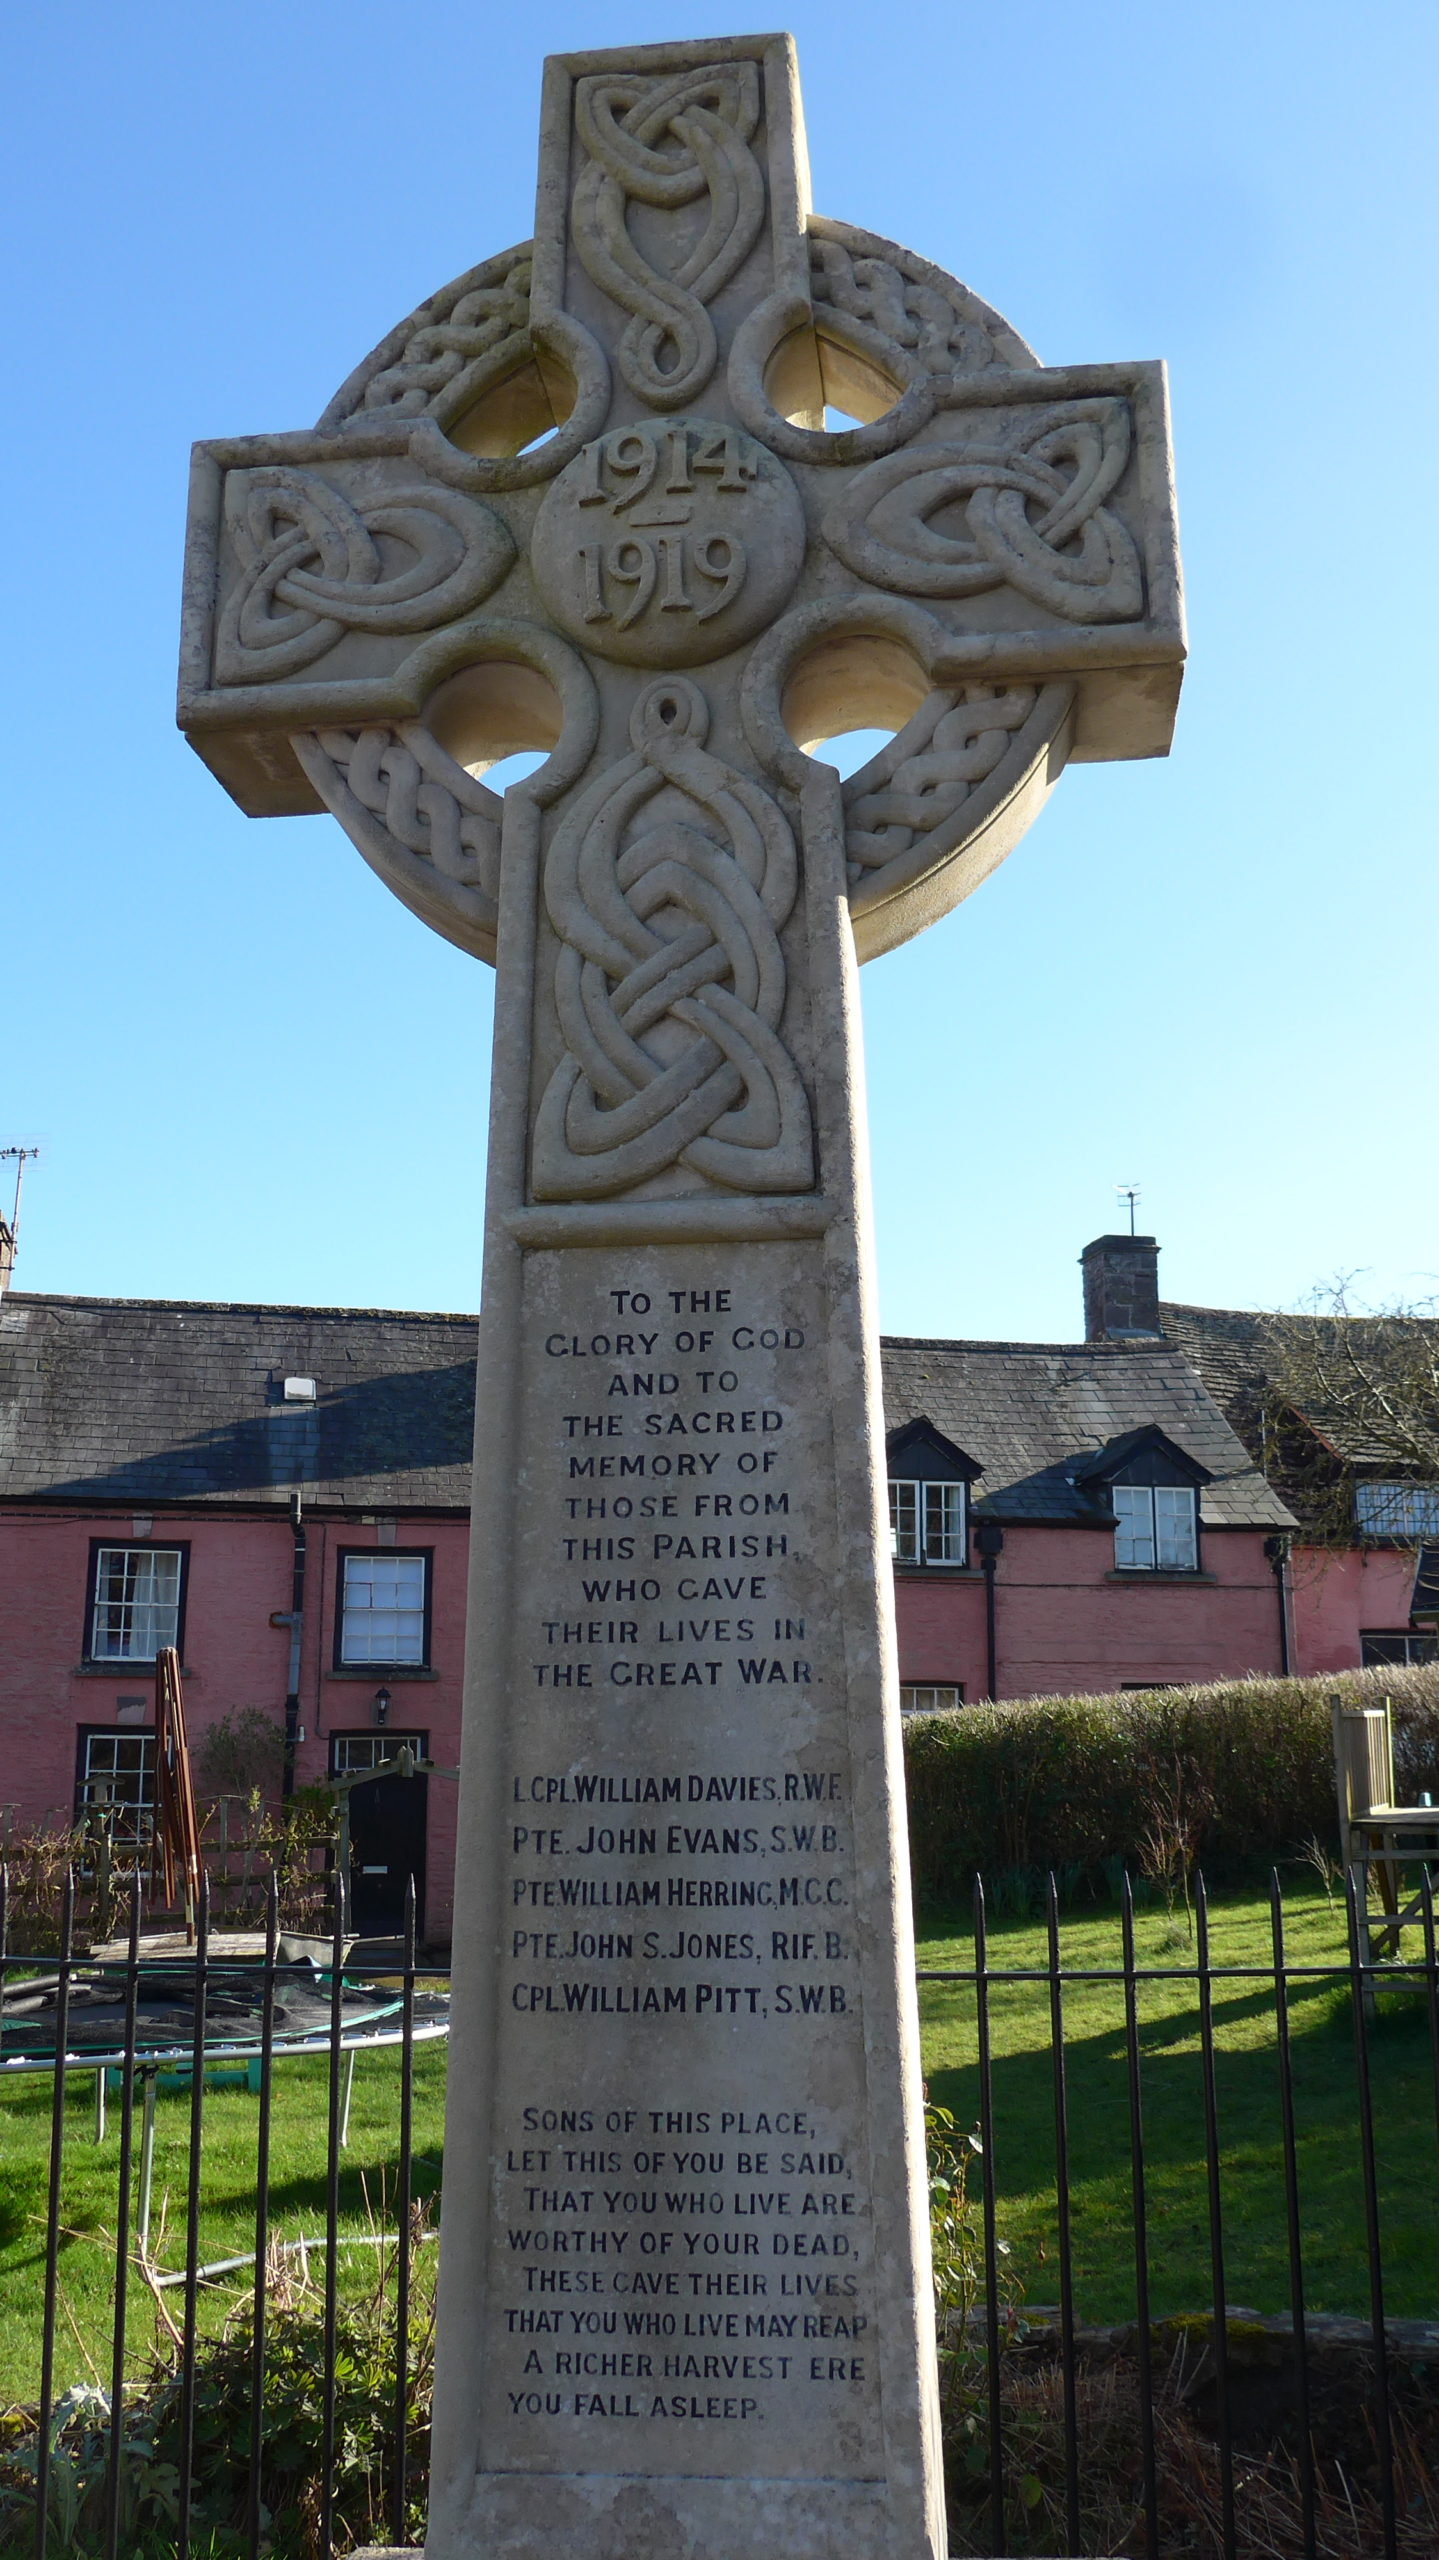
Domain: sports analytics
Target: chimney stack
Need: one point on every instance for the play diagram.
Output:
(7, 1256)
(1121, 1289)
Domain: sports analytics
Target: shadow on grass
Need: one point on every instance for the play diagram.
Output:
(1256, 2266)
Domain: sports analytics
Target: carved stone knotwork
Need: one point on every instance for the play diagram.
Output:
(311, 567)
(908, 310)
(669, 883)
(676, 266)
(431, 830)
(1030, 500)
(919, 784)
(663, 143)
(451, 351)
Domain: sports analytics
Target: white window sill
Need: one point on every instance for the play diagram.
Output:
(1158, 1573)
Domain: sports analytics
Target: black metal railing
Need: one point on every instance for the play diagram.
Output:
(1359, 1974)
(73, 2014)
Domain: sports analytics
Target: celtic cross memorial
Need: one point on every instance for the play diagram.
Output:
(688, 483)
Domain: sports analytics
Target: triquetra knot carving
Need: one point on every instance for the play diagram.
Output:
(311, 566)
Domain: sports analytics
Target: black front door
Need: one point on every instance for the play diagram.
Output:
(387, 1832)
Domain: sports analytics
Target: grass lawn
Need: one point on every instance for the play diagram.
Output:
(1325, 2098)
(1326, 2109)
(227, 2217)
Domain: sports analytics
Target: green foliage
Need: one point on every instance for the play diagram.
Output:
(956, 2235)
(1227, 1776)
(79, 2456)
(283, 1840)
(956, 2230)
(293, 2442)
(242, 1754)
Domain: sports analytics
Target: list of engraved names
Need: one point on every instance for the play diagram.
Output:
(681, 2183)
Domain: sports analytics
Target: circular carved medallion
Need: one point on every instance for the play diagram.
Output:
(667, 543)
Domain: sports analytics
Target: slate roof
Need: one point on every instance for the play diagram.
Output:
(1236, 1352)
(1230, 1349)
(1032, 1412)
(146, 1403)
(140, 1402)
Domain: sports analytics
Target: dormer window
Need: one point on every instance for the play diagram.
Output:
(929, 1482)
(1397, 1510)
(1149, 1487)
(926, 1522)
(1156, 1528)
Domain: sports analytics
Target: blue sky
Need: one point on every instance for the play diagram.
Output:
(254, 1075)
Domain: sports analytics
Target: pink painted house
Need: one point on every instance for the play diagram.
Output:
(283, 1491)
(1095, 1516)
(1077, 1516)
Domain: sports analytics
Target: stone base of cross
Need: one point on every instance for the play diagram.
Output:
(586, 500)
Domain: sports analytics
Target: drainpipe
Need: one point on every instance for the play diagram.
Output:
(297, 1624)
(989, 1539)
(1277, 1550)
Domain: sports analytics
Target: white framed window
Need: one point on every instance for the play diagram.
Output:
(1156, 1528)
(926, 1522)
(930, 1697)
(135, 1610)
(117, 1779)
(384, 1607)
(1397, 1510)
(351, 1752)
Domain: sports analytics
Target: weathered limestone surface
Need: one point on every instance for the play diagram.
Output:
(684, 2293)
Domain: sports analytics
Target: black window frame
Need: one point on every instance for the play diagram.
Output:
(395, 1670)
(132, 1546)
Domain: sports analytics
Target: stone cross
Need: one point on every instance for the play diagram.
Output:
(586, 500)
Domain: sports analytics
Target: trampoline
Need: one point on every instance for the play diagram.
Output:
(371, 2017)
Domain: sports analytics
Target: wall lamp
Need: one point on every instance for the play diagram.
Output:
(382, 1706)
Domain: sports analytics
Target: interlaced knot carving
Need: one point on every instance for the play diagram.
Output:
(1034, 516)
(310, 567)
(663, 142)
(668, 884)
(422, 799)
(448, 359)
(953, 743)
(941, 331)
(429, 829)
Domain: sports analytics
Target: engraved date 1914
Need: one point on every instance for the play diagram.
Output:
(664, 544)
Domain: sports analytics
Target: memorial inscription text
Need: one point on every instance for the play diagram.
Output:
(685, 2226)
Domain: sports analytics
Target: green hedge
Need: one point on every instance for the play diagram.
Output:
(1072, 1783)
